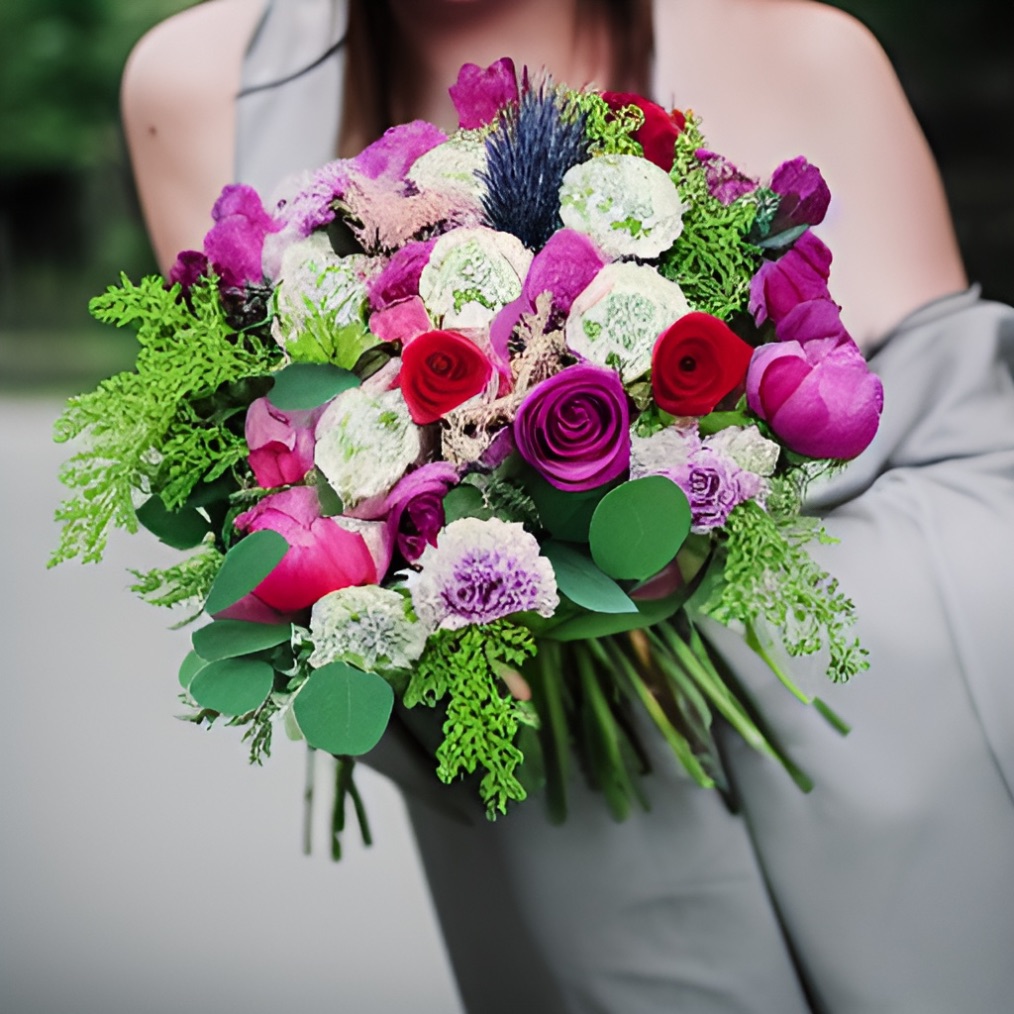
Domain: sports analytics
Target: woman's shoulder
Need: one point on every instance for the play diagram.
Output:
(176, 96)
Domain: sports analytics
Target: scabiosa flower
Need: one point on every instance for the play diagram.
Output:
(369, 627)
(482, 571)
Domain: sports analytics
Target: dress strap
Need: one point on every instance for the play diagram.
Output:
(290, 99)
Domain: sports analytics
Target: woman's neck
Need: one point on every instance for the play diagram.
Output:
(435, 37)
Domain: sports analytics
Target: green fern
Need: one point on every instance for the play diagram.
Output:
(163, 427)
(482, 721)
(711, 260)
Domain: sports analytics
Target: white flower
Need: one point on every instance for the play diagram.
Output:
(473, 272)
(663, 452)
(366, 626)
(365, 442)
(480, 571)
(453, 167)
(626, 204)
(747, 448)
(616, 320)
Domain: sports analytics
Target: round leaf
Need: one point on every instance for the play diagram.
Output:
(181, 529)
(343, 710)
(230, 638)
(302, 386)
(190, 667)
(583, 583)
(565, 515)
(244, 567)
(233, 686)
(639, 527)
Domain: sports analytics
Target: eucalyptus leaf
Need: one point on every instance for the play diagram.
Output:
(594, 625)
(465, 501)
(190, 667)
(231, 638)
(303, 386)
(639, 527)
(566, 516)
(181, 529)
(784, 238)
(233, 686)
(583, 583)
(245, 565)
(343, 710)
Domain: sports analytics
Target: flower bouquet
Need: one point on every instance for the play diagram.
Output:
(468, 432)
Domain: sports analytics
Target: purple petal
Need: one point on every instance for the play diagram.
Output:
(481, 92)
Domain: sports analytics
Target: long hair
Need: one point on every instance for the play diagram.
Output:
(371, 26)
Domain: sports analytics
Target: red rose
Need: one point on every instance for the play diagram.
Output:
(439, 371)
(696, 363)
(657, 135)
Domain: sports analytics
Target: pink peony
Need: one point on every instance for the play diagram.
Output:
(820, 399)
(281, 443)
(799, 275)
(235, 243)
(481, 92)
(322, 557)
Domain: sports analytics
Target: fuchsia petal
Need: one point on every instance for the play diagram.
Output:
(481, 92)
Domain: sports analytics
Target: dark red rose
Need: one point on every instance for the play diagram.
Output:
(696, 363)
(439, 371)
(657, 135)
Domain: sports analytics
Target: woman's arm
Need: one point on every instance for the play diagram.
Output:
(177, 102)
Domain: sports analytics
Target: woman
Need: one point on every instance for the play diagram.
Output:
(888, 888)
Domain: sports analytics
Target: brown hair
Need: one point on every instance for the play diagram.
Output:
(371, 24)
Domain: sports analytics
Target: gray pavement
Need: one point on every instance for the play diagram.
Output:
(144, 865)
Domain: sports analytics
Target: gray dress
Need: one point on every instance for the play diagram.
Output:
(890, 887)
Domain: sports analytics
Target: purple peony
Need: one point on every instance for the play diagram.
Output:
(813, 318)
(799, 275)
(416, 507)
(725, 182)
(820, 399)
(563, 267)
(399, 278)
(190, 266)
(481, 92)
(235, 243)
(574, 428)
(804, 195)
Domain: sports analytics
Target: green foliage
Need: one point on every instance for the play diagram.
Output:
(769, 576)
(162, 428)
(185, 583)
(482, 720)
(610, 131)
(711, 260)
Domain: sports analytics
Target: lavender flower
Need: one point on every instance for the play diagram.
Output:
(482, 571)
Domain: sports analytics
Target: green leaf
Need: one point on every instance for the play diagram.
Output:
(715, 421)
(244, 567)
(785, 238)
(343, 710)
(190, 667)
(566, 516)
(302, 386)
(230, 638)
(233, 686)
(465, 501)
(593, 625)
(331, 505)
(583, 583)
(639, 527)
(181, 529)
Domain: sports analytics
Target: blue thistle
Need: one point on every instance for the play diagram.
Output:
(527, 154)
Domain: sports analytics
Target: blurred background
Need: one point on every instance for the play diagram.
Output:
(143, 864)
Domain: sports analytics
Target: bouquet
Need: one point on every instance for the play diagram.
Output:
(469, 432)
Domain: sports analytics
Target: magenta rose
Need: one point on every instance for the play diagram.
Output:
(799, 275)
(416, 507)
(574, 428)
(322, 556)
(820, 399)
(481, 92)
(281, 443)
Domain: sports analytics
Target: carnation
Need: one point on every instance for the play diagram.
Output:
(480, 571)
(369, 627)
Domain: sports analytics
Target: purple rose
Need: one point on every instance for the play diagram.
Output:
(281, 443)
(800, 274)
(235, 243)
(574, 428)
(804, 195)
(481, 92)
(820, 399)
(416, 507)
